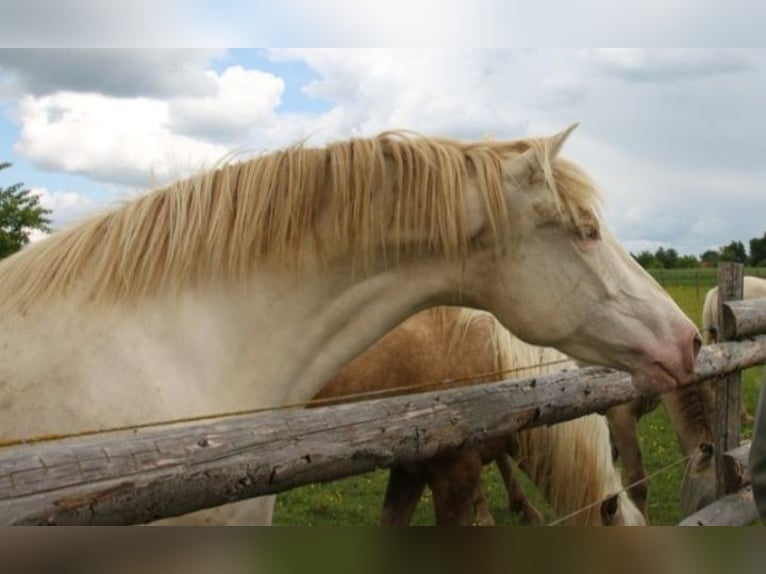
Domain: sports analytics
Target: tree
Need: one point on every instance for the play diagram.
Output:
(20, 213)
(734, 251)
(667, 258)
(710, 258)
(688, 262)
(758, 251)
(646, 260)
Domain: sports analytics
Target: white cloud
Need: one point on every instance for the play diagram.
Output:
(108, 139)
(564, 88)
(456, 92)
(243, 99)
(140, 141)
(674, 204)
(66, 207)
(61, 200)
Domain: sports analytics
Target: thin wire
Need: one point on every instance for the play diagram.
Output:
(311, 403)
(665, 468)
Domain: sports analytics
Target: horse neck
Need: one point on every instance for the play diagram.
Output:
(274, 341)
(356, 315)
(571, 464)
(689, 417)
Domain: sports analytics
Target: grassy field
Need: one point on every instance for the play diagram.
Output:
(357, 500)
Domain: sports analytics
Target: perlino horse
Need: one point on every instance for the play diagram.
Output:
(253, 284)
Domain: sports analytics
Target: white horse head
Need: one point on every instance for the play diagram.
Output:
(563, 280)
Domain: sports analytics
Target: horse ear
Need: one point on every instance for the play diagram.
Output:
(557, 141)
(523, 168)
(609, 509)
(526, 165)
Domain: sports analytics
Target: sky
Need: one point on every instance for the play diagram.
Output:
(670, 135)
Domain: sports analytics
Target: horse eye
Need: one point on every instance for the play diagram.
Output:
(589, 233)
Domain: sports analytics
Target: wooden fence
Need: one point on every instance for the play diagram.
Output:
(737, 318)
(136, 476)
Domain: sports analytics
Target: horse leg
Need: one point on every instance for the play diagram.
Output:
(518, 503)
(482, 515)
(453, 484)
(403, 493)
(624, 433)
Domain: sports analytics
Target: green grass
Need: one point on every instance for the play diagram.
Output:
(358, 500)
(701, 278)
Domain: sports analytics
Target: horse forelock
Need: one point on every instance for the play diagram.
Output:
(693, 411)
(394, 194)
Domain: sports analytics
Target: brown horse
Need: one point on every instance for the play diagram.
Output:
(692, 421)
(571, 462)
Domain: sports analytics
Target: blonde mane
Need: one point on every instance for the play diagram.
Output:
(576, 468)
(570, 462)
(392, 195)
(513, 357)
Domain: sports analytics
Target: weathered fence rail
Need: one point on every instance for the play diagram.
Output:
(743, 318)
(135, 477)
(733, 509)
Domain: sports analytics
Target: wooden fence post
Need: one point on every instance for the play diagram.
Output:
(727, 401)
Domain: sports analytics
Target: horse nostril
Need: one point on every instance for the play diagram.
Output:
(697, 343)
